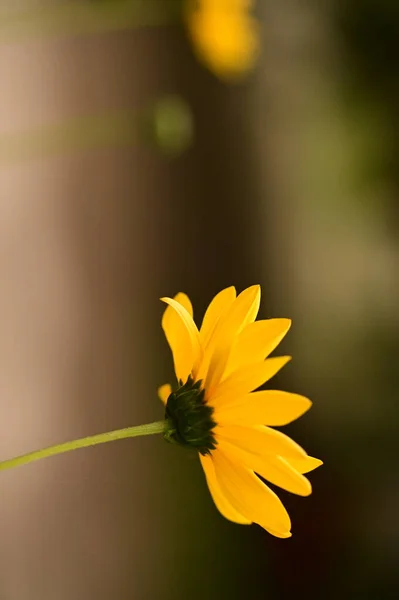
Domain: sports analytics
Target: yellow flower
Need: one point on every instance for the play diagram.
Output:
(224, 34)
(215, 410)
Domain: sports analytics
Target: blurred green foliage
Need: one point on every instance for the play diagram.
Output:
(78, 17)
(368, 31)
(169, 125)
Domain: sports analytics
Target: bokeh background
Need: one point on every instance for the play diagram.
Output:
(109, 200)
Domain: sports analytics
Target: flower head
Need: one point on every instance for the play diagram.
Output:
(214, 409)
(224, 35)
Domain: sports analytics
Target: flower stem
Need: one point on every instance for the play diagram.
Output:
(92, 440)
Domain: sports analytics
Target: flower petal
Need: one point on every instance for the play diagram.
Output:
(284, 536)
(246, 380)
(164, 392)
(260, 440)
(221, 502)
(219, 304)
(267, 407)
(182, 335)
(241, 312)
(269, 466)
(305, 464)
(279, 472)
(256, 342)
(249, 495)
(185, 301)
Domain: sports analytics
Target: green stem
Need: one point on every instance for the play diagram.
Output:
(92, 440)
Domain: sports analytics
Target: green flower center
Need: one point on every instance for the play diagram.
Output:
(190, 418)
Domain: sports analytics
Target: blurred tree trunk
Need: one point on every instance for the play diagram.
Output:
(88, 243)
(78, 264)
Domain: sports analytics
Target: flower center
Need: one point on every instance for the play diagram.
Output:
(190, 418)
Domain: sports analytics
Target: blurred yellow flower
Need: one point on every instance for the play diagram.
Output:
(215, 410)
(225, 36)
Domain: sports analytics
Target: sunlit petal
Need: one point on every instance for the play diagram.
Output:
(185, 301)
(222, 301)
(256, 342)
(279, 534)
(246, 380)
(221, 502)
(260, 440)
(271, 467)
(249, 495)
(164, 392)
(267, 407)
(241, 312)
(305, 464)
(183, 338)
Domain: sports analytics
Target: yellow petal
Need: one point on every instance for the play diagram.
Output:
(246, 380)
(305, 464)
(249, 495)
(164, 392)
(221, 502)
(267, 407)
(185, 301)
(271, 467)
(182, 335)
(233, 319)
(243, 311)
(260, 440)
(219, 304)
(227, 5)
(256, 342)
(284, 536)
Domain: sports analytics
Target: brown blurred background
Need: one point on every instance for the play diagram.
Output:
(291, 181)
